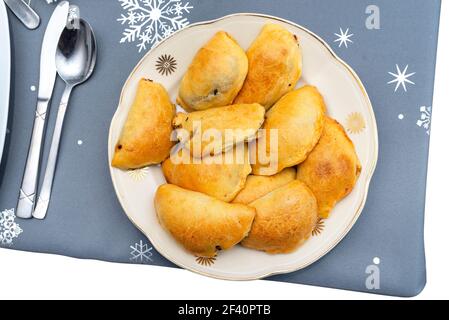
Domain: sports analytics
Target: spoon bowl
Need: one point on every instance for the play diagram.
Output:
(76, 54)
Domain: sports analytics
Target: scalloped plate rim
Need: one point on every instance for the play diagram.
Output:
(270, 271)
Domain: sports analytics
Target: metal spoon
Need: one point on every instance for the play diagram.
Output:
(75, 62)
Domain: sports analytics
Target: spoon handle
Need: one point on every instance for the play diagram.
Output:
(45, 194)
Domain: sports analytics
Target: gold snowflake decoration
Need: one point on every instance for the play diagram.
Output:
(206, 261)
(138, 174)
(355, 123)
(319, 227)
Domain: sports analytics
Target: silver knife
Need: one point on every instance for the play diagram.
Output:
(24, 13)
(5, 75)
(55, 26)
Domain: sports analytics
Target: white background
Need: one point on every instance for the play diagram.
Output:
(30, 276)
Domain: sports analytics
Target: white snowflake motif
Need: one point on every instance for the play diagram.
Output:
(401, 78)
(141, 252)
(9, 229)
(151, 21)
(425, 120)
(343, 37)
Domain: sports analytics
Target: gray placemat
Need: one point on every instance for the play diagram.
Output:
(383, 253)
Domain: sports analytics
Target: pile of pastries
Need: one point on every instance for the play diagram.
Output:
(273, 205)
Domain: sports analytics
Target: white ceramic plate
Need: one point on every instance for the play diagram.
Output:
(346, 99)
(5, 75)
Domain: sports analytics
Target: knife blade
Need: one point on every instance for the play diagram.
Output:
(56, 25)
(5, 75)
(24, 13)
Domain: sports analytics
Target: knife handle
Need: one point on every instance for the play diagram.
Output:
(24, 13)
(25, 206)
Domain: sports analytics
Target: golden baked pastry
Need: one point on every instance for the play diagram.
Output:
(285, 218)
(258, 186)
(145, 138)
(241, 121)
(211, 175)
(275, 66)
(299, 119)
(332, 168)
(202, 224)
(215, 76)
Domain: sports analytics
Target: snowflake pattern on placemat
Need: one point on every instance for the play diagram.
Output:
(401, 78)
(343, 38)
(425, 119)
(141, 252)
(9, 229)
(151, 21)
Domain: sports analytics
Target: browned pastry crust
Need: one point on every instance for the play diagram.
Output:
(240, 121)
(275, 66)
(202, 224)
(145, 138)
(212, 175)
(258, 186)
(285, 218)
(332, 168)
(215, 76)
(299, 119)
